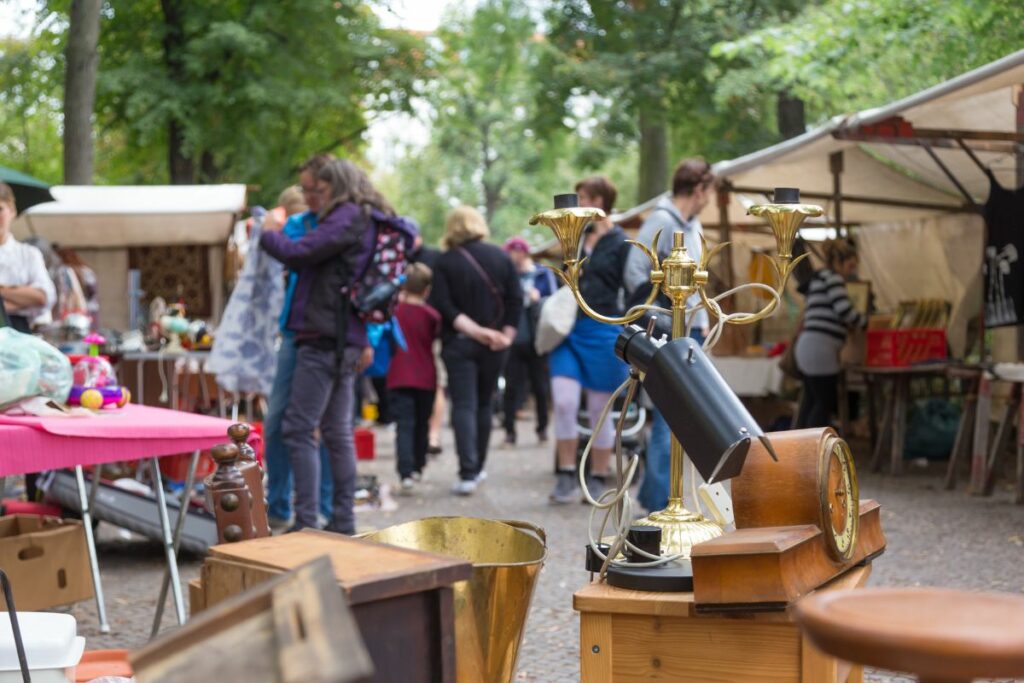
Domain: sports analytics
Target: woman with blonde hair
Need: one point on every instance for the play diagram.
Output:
(477, 293)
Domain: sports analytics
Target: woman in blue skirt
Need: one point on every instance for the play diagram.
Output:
(585, 361)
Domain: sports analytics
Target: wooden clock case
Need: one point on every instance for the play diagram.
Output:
(779, 552)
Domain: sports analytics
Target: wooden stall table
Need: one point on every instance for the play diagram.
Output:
(893, 428)
(986, 460)
(634, 635)
(402, 599)
(941, 635)
(34, 444)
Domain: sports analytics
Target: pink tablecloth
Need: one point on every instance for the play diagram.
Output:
(32, 444)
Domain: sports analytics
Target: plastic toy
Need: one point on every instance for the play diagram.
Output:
(97, 398)
(95, 384)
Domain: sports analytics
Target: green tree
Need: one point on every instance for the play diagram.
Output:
(243, 90)
(842, 56)
(30, 106)
(483, 149)
(650, 60)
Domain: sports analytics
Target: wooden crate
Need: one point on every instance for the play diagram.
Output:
(634, 635)
(401, 599)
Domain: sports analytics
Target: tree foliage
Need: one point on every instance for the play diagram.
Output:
(845, 55)
(483, 148)
(31, 91)
(244, 90)
(649, 59)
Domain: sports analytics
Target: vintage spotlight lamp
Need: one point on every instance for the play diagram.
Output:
(701, 410)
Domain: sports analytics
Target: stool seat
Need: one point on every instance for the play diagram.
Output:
(942, 635)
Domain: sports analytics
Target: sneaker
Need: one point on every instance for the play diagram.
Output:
(595, 486)
(510, 441)
(464, 487)
(434, 449)
(566, 489)
(417, 476)
(407, 486)
(277, 524)
(542, 436)
(481, 476)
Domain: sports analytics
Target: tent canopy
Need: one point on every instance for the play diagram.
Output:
(86, 216)
(888, 154)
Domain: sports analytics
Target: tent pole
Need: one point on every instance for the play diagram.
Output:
(835, 163)
(725, 231)
(860, 199)
(949, 174)
(1019, 102)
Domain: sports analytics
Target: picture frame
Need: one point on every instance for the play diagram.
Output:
(859, 292)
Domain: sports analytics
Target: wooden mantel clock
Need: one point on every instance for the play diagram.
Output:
(799, 524)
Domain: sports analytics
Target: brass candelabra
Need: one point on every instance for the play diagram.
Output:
(678, 276)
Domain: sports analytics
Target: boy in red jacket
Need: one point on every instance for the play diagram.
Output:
(412, 377)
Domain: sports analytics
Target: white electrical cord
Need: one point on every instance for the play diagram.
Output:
(618, 498)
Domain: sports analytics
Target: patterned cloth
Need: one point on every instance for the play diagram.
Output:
(243, 356)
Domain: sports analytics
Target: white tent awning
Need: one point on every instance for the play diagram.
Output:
(88, 216)
(897, 173)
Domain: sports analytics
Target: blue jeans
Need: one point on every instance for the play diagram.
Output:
(653, 493)
(275, 454)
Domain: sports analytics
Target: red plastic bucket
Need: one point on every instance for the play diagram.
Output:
(364, 444)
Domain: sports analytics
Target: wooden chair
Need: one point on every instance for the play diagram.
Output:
(938, 634)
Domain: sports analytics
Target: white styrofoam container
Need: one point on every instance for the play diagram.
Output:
(52, 647)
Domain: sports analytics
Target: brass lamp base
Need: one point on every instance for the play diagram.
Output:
(680, 528)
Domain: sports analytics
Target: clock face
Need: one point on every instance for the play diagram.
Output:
(840, 498)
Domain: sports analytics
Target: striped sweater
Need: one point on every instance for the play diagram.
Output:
(829, 309)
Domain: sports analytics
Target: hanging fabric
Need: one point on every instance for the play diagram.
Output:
(244, 358)
(1003, 265)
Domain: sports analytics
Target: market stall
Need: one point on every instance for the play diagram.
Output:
(174, 235)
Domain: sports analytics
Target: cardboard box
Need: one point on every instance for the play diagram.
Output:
(46, 559)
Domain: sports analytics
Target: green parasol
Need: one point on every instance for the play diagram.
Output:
(28, 191)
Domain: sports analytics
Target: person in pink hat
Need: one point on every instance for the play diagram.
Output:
(524, 364)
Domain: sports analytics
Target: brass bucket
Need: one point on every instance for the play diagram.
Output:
(491, 607)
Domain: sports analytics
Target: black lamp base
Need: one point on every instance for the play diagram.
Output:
(673, 577)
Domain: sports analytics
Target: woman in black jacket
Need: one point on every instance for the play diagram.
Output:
(477, 292)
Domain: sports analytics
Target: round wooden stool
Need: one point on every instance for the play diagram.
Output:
(941, 635)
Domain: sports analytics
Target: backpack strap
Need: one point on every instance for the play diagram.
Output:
(499, 300)
(343, 304)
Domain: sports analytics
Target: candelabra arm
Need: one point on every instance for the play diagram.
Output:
(783, 267)
(571, 277)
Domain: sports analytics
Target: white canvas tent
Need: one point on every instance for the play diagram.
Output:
(102, 222)
(95, 217)
(909, 173)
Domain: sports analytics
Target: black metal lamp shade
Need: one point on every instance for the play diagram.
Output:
(703, 412)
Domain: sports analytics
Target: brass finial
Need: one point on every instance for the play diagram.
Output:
(568, 221)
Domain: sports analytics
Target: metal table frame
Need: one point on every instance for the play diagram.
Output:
(171, 540)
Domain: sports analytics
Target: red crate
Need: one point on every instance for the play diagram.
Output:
(364, 444)
(900, 348)
(175, 467)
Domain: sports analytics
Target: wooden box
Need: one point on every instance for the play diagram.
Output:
(630, 636)
(401, 599)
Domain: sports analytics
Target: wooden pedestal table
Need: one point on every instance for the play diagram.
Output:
(633, 635)
(941, 635)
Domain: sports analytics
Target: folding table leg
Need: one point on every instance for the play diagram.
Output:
(179, 527)
(172, 556)
(90, 543)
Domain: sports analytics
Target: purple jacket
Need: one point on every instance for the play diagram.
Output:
(327, 260)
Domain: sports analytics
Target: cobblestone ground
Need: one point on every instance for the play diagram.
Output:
(935, 537)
